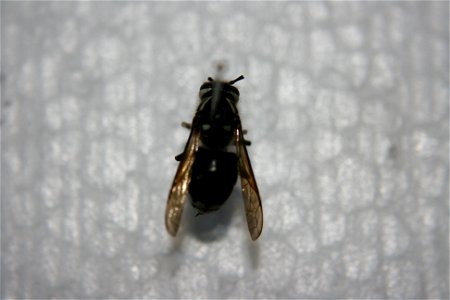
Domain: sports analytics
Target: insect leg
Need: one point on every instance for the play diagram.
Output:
(186, 125)
(246, 142)
(179, 157)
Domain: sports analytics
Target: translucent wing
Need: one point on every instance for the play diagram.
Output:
(250, 193)
(177, 194)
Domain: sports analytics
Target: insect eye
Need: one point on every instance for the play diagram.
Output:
(233, 93)
(202, 92)
(234, 90)
(204, 88)
(206, 85)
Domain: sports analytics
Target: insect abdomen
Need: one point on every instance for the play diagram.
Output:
(214, 175)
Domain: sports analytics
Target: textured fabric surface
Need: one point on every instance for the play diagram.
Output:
(346, 105)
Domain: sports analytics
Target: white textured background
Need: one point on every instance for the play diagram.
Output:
(347, 107)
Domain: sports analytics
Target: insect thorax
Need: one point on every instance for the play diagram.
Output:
(217, 114)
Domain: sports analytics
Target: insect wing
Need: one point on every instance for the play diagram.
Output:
(250, 193)
(177, 194)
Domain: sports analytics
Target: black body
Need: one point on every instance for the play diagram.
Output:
(215, 170)
(214, 175)
(214, 154)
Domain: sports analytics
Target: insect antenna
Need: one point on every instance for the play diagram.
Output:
(237, 79)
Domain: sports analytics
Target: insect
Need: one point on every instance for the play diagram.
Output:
(208, 169)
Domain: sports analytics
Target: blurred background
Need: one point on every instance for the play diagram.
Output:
(346, 105)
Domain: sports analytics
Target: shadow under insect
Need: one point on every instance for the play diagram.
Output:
(212, 226)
